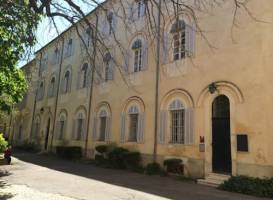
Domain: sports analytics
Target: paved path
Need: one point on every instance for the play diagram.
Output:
(35, 175)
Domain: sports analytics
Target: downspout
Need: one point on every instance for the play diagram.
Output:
(92, 86)
(35, 98)
(57, 95)
(157, 81)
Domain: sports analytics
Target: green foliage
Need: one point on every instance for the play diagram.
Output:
(71, 153)
(248, 185)
(132, 161)
(17, 28)
(153, 169)
(3, 143)
(116, 157)
(102, 149)
(174, 166)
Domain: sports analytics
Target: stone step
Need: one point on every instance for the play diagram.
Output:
(213, 179)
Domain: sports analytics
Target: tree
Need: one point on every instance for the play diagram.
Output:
(3, 144)
(17, 34)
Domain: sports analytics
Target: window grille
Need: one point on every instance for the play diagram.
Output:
(61, 134)
(177, 126)
(133, 128)
(79, 128)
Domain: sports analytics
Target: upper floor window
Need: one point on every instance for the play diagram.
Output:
(44, 60)
(110, 18)
(84, 75)
(56, 56)
(138, 58)
(66, 82)
(140, 8)
(88, 36)
(109, 24)
(178, 32)
(52, 87)
(69, 48)
(108, 67)
(40, 92)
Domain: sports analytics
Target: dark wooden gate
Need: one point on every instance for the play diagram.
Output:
(221, 148)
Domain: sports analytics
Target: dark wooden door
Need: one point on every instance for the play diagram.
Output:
(221, 148)
(47, 133)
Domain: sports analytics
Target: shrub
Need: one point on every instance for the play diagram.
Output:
(3, 143)
(28, 146)
(174, 166)
(74, 153)
(251, 186)
(116, 157)
(102, 149)
(101, 161)
(153, 169)
(132, 161)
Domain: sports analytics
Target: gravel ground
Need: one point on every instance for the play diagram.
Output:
(22, 192)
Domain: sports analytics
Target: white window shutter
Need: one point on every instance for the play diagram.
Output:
(140, 129)
(127, 62)
(108, 129)
(94, 129)
(143, 8)
(74, 130)
(145, 57)
(70, 82)
(190, 40)
(131, 12)
(79, 79)
(162, 127)
(83, 130)
(89, 76)
(57, 130)
(189, 126)
(166, 48)
(123, 128)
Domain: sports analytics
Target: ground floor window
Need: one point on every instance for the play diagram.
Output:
(133, 127)
(177, 126)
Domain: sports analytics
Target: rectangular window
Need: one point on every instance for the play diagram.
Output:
(133, 127)
(102, 128)
(179, 41)
(177, 126)
(138, 60)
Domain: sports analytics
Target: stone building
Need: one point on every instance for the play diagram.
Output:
(215, 93)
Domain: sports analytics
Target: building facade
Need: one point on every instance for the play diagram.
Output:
(215, 89)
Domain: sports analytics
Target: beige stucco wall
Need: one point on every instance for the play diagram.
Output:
(239, 59)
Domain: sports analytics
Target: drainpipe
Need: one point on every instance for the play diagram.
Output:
(157, 80)
(57, 95)
(35, 98)
(92, 86)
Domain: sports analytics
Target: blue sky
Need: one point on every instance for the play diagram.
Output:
(46, 32)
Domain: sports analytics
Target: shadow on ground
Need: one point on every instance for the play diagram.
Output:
(160, 186)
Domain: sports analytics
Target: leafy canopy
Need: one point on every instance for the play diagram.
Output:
(17, 28)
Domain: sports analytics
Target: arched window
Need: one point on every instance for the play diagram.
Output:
(52, 87)
(177, 114)
(110, 19)
(108, 67)
(178, 32)
(133, 123)
(61, 126)
(40, 94)
(66, 82)
(138, 58)
(88, 36)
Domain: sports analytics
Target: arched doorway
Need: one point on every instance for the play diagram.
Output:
(47, 133)
(221, 147)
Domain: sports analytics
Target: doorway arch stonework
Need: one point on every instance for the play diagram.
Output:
(204, 105)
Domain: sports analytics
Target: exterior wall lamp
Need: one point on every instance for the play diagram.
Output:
(212, 88)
